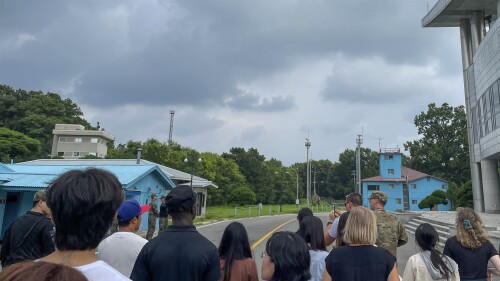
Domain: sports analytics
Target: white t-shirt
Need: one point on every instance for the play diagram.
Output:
(101, 271)
(120, 250)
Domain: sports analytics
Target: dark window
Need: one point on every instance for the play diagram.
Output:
(388, 157)
(414, 202)
(373, 187)
(390, 171)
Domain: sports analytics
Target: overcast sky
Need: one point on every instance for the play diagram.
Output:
(260, 74)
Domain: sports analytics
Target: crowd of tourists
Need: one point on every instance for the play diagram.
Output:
(63, 238)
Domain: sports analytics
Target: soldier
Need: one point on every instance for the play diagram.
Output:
(391, 233)
(153, 214)
(163, 215)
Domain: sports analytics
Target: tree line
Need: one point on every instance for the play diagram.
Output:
(245, 176)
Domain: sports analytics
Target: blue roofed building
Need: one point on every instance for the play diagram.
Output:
(19, 182)
(405, 187)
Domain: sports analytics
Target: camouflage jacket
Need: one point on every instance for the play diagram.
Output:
(153, 212)
(391, 233)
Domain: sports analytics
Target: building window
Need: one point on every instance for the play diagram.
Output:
(428, 178)
(391, 186)
(93, 153)
(78, 139)
(373, 187)
(62, 139)
(390, 171)
(388, 157)
(60, 153)
(413, 186)
(414, 202)
(94, 140)
(398, 200)
(443, 186)
(76, 154)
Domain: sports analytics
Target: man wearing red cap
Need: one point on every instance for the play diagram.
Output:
(120, 249)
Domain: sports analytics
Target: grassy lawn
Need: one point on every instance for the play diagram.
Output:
(231, 212)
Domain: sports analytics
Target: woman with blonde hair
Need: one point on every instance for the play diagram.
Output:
(360, 259)
(471, 248)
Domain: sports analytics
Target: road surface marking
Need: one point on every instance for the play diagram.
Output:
(254, 245)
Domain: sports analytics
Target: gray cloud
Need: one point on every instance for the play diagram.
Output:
(253, 102)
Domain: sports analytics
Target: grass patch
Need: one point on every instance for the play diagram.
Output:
(249, 211)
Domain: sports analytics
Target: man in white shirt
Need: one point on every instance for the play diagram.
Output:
(83, 205)
(120, 250)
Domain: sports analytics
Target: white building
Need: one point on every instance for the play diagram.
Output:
(73, 141)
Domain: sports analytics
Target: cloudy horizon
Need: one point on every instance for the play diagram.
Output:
(260, 74)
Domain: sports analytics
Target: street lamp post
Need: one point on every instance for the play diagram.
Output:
(308, 179)
(187, 161)
(297, 202)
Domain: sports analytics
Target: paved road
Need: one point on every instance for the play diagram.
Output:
(258, 227)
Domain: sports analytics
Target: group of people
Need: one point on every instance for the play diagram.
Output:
(63, 239)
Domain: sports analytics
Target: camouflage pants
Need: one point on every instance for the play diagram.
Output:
(151, 227)
(163, 224)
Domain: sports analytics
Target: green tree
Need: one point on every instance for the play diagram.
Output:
(437, 197)
(35, 114)
(17, 146)
(442, 151)
(465, 195)
(242, 196)
(452, 194)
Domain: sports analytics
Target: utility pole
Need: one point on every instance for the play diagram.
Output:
(359, 141)
(297, 201)
(308, 179)
(172, 112)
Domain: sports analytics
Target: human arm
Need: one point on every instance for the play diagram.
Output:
(393, 276)
(212, 273)
(326, 276)
(252, 274)
(495, 260)
(331, 231)
(403, 238)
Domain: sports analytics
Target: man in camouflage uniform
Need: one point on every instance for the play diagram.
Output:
(152, 216)
(391, 233)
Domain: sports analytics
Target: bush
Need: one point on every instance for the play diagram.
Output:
(242, 196)
(437, 197)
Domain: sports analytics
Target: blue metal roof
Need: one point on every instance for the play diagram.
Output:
(38, 174)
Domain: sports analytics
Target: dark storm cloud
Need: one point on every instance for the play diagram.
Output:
(195, 52)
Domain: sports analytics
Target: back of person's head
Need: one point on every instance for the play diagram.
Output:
(426, 237)
(83, 204)
(290, 255)
(355, 198)
(234, 245)
(361, 227)
(311, 230)
(304, 212)
(180, 201)
(40, 271)
(470, 231)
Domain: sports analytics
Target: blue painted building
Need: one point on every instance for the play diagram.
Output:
(405, 187)
(19, 182)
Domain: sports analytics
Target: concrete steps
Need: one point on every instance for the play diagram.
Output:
(443, 229)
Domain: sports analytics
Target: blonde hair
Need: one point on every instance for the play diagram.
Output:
(361, 227)
(470, 232)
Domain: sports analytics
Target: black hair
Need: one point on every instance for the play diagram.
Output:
(35, 203)
(311, 230)
(83, 205)
(427, 237)
(355, 198)
(234, 245)
(290, 255)
(304, 212)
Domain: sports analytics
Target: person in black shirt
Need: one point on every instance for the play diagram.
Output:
(180, 252)
(163, 215)
(360, 260)
(29, 237)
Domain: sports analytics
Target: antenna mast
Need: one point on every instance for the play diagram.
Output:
(172, 112)
(359, 141)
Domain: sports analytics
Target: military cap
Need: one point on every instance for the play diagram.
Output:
(378, 195)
